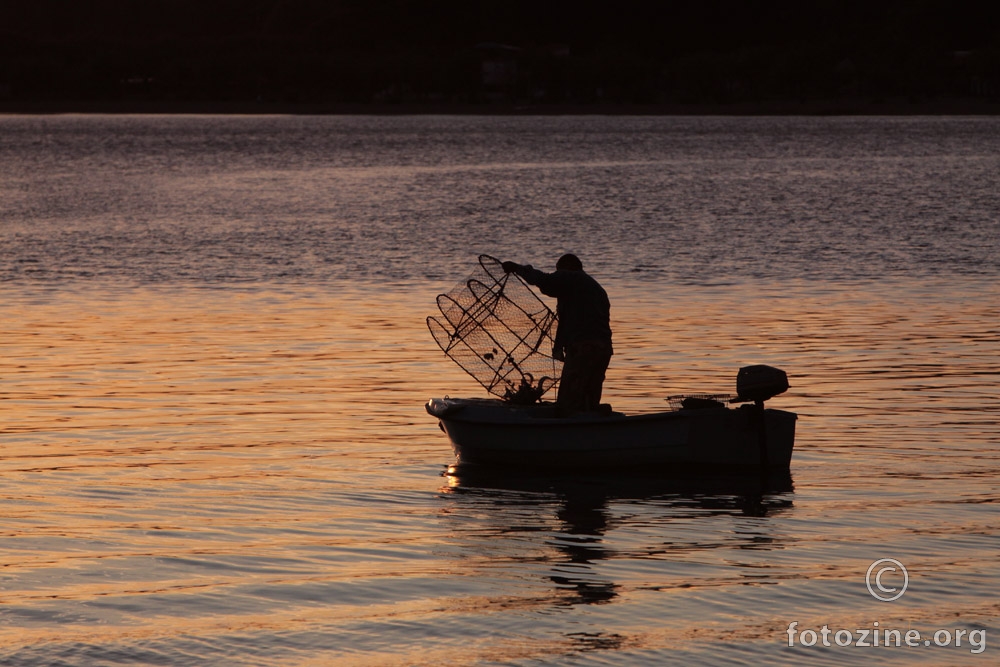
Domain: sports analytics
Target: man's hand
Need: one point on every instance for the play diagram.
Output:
(509, 267)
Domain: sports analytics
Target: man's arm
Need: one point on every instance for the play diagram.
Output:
(548, 283)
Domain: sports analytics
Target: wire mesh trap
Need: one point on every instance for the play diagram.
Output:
(699, 401)
(500, 332)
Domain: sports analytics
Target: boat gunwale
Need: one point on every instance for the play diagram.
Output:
(587, 420)
(564, 421)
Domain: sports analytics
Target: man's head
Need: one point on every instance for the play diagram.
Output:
(569, 262)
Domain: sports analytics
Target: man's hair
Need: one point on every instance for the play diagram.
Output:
(569, 262)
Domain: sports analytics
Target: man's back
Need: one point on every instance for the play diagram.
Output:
(583, 306)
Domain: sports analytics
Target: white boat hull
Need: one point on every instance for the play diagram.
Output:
(494, 433)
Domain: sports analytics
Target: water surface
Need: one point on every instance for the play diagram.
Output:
(214, 363)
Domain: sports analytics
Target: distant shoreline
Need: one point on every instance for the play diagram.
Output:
(847, 107)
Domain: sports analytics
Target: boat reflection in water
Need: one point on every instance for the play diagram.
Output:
(530, 528)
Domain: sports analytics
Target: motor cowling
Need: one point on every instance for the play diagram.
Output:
(759, 383)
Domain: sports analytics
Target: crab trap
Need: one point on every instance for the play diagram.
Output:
(500, 332)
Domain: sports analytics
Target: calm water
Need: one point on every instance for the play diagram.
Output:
(214, 362)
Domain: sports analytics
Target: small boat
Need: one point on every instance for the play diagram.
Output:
(703, 431)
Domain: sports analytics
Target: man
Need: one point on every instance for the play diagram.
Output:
(583, 339)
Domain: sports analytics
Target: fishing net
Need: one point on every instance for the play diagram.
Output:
(497, 330)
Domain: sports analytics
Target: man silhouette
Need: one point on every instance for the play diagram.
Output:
(583, 339)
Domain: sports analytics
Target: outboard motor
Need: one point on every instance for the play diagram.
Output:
(758, 383)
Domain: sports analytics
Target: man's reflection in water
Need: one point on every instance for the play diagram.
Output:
(523, 505)
(585, 519)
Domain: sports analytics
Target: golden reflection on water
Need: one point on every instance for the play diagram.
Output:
(185, 464)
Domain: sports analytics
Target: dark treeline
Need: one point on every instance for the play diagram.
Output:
(520, 51)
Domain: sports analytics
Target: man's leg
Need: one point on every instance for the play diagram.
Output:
(572, 386)
(596, 358)
(582, 380)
